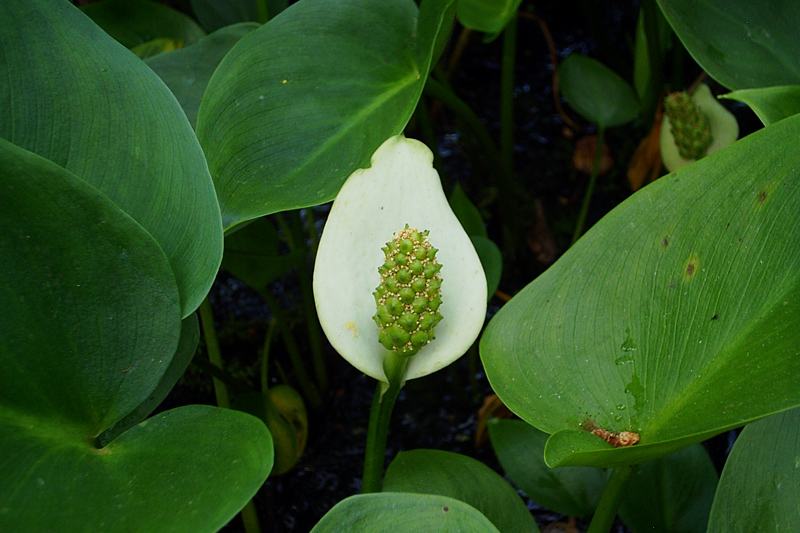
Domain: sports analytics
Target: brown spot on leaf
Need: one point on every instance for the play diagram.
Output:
(716, 316)
(619, 439)
(691, 267)
(762, 196)
(445, 509)
(665, 242)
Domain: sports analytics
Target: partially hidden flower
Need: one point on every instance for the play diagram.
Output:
(700, 124)
(385, 218)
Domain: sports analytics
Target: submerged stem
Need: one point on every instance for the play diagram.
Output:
(609, 502)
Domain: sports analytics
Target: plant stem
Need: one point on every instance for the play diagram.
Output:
(590, 188)
(507, 94)
(263, 11)
(609, 502)
(214, 354)
(379, 417)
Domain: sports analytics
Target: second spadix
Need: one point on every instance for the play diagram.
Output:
(400, 190)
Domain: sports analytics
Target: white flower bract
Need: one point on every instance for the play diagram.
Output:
(400, 187)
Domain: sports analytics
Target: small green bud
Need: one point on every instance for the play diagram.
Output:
(689, 125)
(409, 294)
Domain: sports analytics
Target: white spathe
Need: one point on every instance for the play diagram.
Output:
(724, 129)
(401, 187)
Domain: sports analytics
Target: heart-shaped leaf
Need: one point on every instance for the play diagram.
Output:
(189, 470)
(291, 111)
(761, 479)
(741, 44)
(570, 490)
(89, 324)
(65, 246)
(134, 22)
(187, 71)
(675, 317)
(81, 100)
(407, 513)
(463, 478)
(597, 92)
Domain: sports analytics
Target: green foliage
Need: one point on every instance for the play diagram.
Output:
(280, 76)
(771, 104)
(90, 323)
(406, 513)
(596, 92)
(670, 318)
(462, 478)
(759, 485)
(135, 22)
(488, 16)
(674, 318)
(111, 236)
(741, 44)
(186, 71)
(672, 494)
(571, 490)
(95, 109)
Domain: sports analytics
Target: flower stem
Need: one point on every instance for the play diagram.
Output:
(609, 502)
(379, 417)
(587, 198)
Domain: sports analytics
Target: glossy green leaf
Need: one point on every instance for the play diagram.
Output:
(252, 254)
(186, 71)
(674, 317)
(462, 478)
(491, 260)
(403, 513)
(291, 111)
(760, 485)
(467, 213)
(187, 347)
(741, 44)
(189, 470)
(488, 16)
(134, 22)
(672, 494)
(597, 92)
(771, 104)
(570, 490)
(89, 324)
(90, 316)
(83, 101)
